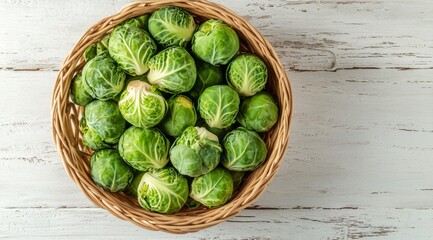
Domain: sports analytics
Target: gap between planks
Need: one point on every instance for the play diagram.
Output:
(271, 224)
(290, 69)
(252, 208)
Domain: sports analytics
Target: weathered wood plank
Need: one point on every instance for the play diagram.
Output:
(308, 35)
(360, 138)
(360, 145)
(250, 224)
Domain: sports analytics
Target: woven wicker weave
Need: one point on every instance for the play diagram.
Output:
(75, 157)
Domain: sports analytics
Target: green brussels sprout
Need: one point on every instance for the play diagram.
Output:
(102, 45)
(180, 115)
(218, 105)
(220, 132)
(96, 49)
(109, 171)
(196, 152)
(102, 78)
(132, 48)
(144, 149)
(91, 139)
(237, 179)
(244, 150)
(82, 124)
(163, 190)
(171, 26)
(95, 142)
(215, 42)
(142, 105)
(247, 74)
(105, 120)
(138, 22)
(207, 75)
(90, 52)
(212, 189)
(172, 70)
(132, 188)
(130, 78)
(79, 96)
(192, 204)
(258, 113)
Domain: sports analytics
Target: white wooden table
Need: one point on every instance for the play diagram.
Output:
(360, 161)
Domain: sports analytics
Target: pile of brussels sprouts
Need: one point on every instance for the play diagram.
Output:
(165, 123)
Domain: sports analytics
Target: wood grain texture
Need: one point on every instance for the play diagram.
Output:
(308, 35)
(249, 225)
(359, 164)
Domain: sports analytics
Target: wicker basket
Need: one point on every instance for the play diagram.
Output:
(75, 157)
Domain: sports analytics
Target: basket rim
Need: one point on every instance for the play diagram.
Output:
(63, 112)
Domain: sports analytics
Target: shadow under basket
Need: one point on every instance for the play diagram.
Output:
(75, 156)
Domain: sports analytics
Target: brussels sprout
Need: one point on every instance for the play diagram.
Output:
(218, 105)
(91, 139)
(212, 189)
(78, 95)
(102, 78)
(215, 42)
(138, 22)
(181, 114)
(142, 105)
(220, 132)
(237, 179)
(132, 48)
(96, 49)
(171, 26)
(95, 142)
(192, 204)
(244, 150)
(196, 152)
(207, 75)
(82, 124)
(130, 78)
(89, 53)
(143, 148)
(105, 120)
(172, 70)
(109, 171)
(247, 74)
(258, 113)
(163, 190)
(102, 45)
(132, 188)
